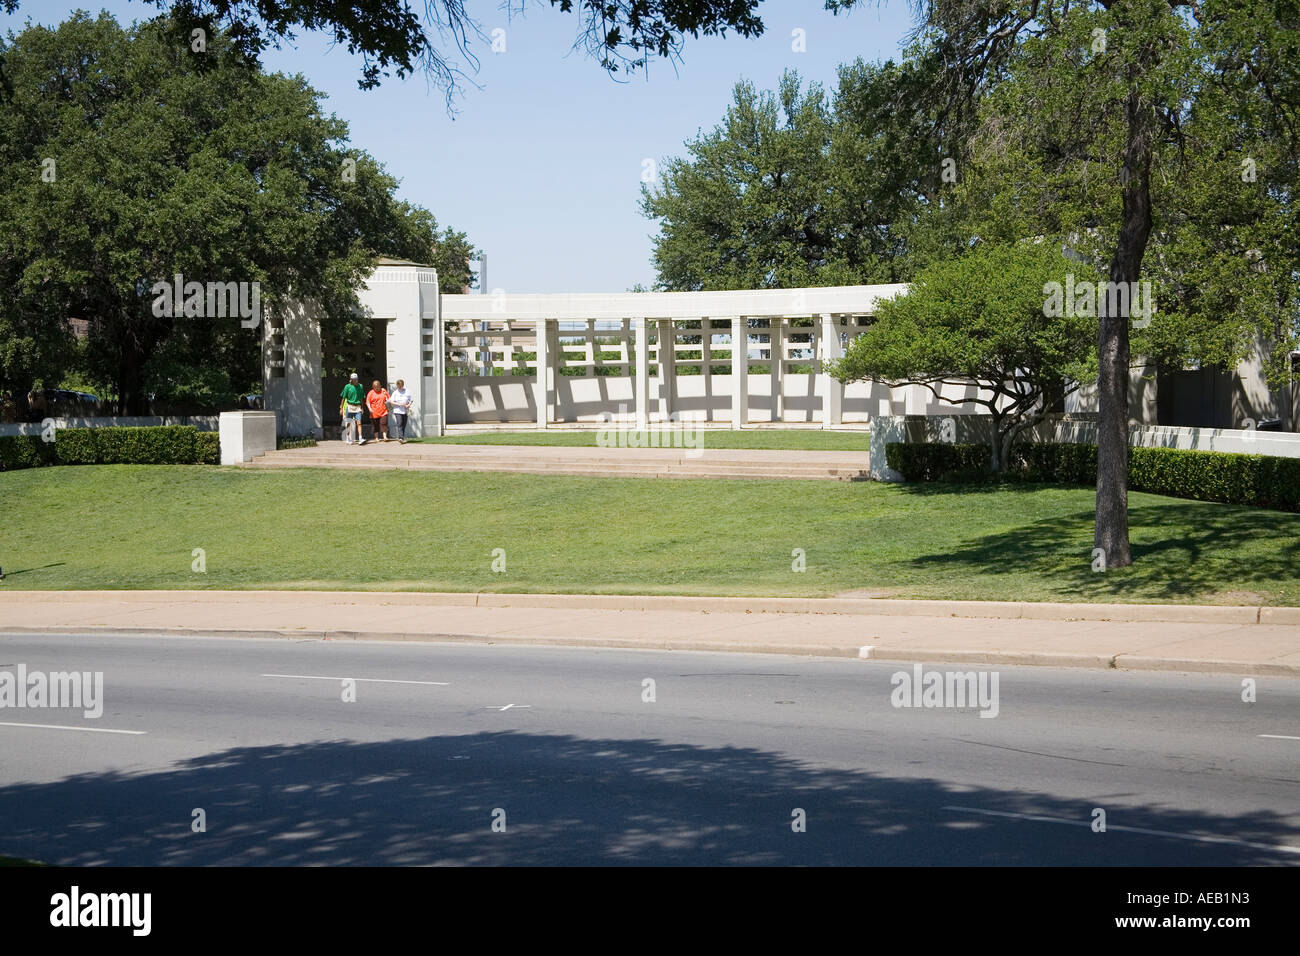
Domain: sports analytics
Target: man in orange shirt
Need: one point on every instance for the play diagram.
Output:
(377, 402)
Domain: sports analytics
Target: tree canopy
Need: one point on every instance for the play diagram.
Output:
(795, 188)
(142, 159)
(981, 317)
(394, 38)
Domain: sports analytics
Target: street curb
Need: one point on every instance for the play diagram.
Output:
(893, 607)
(1121, 662)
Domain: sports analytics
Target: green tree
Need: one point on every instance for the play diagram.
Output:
(392, 38)
(748, 210)
(140, 160)
(981, 317)
(792, 189)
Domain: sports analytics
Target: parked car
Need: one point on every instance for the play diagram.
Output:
(65, 403)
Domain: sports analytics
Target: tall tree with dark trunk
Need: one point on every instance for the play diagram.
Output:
(1108, 88)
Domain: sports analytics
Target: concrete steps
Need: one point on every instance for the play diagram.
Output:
(592, 462)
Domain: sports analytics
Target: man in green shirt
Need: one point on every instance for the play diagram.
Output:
(352, 397)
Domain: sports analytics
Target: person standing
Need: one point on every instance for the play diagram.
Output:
(351, 402)
(377, 402)
(401, 400)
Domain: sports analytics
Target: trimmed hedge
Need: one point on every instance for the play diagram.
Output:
(76, 446)
(922, 461)
(295, 441)
(207, 448)
(161, 445)
(1264, 481)
(1261, 480)
(157, 445)
(25, 451)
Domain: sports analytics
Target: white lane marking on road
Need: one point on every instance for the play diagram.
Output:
(1279, 847)
(506, 707)
(363, 680)
(1279, 737)
(93, 730)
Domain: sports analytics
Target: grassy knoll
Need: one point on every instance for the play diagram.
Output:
(125, 526)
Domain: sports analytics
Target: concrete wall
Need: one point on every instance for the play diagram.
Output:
(1231, 440)
(246, 435)
(1142, 392)
(502, 398)
(1203, 398)
(403, 296)
(204, 423)
(407, 296)
(977, 429)
(291, 369)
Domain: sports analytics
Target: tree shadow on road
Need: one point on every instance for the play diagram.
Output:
(569, 800)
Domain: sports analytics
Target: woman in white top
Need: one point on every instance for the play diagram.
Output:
(400, 400)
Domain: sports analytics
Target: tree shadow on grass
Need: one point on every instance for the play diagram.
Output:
(57, 564)
(1180, 551)
(570, 800)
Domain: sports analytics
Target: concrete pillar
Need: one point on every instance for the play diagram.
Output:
(642, 373)
(667, 367)
(245, 435)
(706, 369)
(541, 393)
(291, 366)
(885, 430)
(776, 349)
(739, 372)
(832, 390)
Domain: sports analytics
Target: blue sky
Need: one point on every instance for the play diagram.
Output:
(542, 165)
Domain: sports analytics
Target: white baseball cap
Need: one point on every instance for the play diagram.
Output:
(354, 375)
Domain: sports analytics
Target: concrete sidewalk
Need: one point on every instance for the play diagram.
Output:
(596, 462)
(1231, 640)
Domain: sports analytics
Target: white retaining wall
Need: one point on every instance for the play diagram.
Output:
(974, 429)
(204, 423)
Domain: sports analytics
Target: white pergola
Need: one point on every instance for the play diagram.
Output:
(552, 368)
(832, 310)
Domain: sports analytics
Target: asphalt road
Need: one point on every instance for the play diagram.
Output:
(562, 746)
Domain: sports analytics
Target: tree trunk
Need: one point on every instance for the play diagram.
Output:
(995, 445)
(134, 350)
(1111, 534)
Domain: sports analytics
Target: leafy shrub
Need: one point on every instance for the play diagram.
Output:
(76, 446)
(1061, 464)
(920, 461)
(160, 445)
(295, 441)
(25, 451)
(207, 448)
(1264, 481)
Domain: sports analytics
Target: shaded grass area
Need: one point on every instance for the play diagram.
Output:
(131, 526)
(779, 439)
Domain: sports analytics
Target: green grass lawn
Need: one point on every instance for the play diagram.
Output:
(133, 526)
(768, 438)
